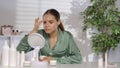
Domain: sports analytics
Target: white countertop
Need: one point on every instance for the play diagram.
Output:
(83, 65)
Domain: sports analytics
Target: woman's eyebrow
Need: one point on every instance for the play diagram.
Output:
(51, 20)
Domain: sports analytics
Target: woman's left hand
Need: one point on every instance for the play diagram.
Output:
(47, 58)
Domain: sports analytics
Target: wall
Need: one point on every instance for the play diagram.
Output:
(7, 12)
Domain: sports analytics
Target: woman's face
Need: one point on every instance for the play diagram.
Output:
(50, 23)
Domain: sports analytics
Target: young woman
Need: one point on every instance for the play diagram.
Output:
(59, 44)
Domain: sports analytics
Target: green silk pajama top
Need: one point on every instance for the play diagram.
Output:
(65, 50)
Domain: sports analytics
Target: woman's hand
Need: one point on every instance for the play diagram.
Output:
(47, 58)
(36, 25)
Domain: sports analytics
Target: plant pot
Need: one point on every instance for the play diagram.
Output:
(103, 60)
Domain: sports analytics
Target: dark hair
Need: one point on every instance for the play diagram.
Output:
(56, 14)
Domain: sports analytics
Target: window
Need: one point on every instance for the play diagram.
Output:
(28, 10)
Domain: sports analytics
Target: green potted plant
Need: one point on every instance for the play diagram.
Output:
(105, 17)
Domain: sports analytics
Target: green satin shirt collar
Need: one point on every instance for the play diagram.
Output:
(58, 39)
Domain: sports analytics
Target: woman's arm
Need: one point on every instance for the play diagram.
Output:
(23, 45)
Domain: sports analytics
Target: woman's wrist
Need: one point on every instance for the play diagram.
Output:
(36, 28)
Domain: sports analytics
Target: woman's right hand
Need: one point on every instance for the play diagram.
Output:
(36, 25)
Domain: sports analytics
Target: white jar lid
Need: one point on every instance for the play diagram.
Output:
(27, 64)
(53, 62)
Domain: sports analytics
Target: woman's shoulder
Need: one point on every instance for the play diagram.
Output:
(67, 33)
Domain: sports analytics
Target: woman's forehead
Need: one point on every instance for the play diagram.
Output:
(48, 17)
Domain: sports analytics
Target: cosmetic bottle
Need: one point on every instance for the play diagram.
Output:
(12, 56)
(5, 54)
(22, 58)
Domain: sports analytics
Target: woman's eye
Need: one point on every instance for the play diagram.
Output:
(51, 22)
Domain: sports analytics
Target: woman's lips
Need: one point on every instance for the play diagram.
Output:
(47, 29)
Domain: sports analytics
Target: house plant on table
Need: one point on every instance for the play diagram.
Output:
(105, 17)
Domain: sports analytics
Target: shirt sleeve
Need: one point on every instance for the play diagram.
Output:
(24, 46)
(73, 56)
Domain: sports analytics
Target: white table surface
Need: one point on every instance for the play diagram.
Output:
(83, 65)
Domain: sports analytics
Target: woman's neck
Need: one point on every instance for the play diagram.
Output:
(54, 34)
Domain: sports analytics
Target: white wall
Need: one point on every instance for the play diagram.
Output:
(7, 11)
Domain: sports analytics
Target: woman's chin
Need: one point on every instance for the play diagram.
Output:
(48, 32)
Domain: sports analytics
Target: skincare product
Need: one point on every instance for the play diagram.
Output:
(27, 64)
(5, 54)
(12, 54)
(18, 59)
(100, 61)
(53, 62)
(22, 58)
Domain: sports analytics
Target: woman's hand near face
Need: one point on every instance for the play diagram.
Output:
(36, 25)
